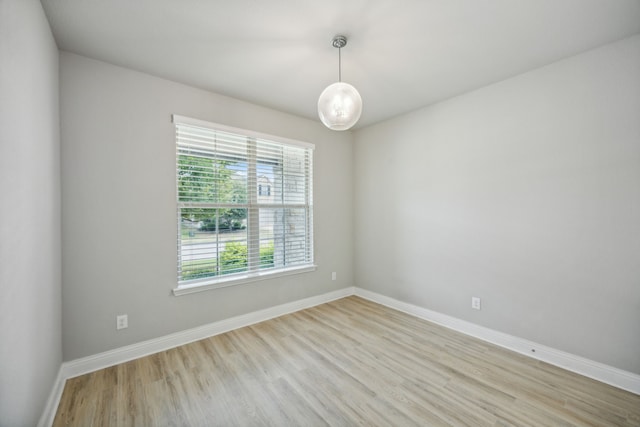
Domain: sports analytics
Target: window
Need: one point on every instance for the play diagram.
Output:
(264, 190)
(264, 186)
(244, 204)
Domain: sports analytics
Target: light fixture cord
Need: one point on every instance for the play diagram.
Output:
(339, 64)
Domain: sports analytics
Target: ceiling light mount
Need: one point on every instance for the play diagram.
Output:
(339, 41)
(340, 104)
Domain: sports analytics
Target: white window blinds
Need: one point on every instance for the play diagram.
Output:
(244, 203)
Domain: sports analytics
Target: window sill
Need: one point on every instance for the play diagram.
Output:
(218, 283)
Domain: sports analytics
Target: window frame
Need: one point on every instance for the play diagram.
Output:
(253, 211)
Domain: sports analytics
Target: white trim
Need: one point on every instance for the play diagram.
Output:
(175, 118)
(607, 374)
(98, 361)
(580, 365)
(191, 287)
(51, 406)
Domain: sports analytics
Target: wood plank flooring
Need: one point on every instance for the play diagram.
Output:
(347, 362)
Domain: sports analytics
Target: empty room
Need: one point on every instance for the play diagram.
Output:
(328, 213)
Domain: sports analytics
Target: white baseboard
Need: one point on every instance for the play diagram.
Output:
(589, 368)
(113, 357)
(598, 371)
(51, 406)
(116, 356)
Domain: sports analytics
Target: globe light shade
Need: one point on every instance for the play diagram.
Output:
(339, 106)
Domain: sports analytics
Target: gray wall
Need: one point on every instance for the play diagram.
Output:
(525, 193)
(119, 213)
(30, 336)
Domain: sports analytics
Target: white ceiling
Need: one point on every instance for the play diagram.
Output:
(401, 54)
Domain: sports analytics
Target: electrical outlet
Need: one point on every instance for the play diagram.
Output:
(122, 321)
(334, 276)
(475, 303)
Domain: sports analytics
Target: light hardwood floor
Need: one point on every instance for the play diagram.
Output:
(347, 362)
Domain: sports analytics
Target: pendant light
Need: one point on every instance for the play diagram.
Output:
(340, 104)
